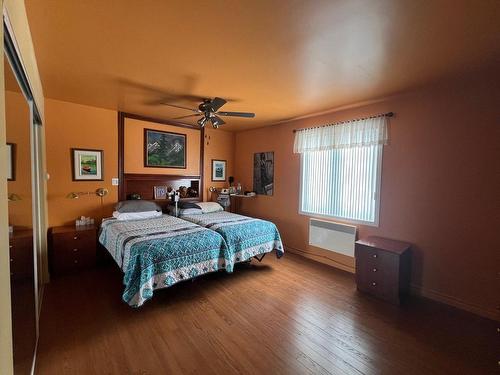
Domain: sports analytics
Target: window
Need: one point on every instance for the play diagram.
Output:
(341, 168)
(342, 183)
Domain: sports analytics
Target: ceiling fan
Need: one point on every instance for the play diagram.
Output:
(209, 112)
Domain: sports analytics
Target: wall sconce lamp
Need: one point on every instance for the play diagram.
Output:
(12, 197)
(101, 192)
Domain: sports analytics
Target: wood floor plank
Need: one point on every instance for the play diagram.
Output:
(287, 316)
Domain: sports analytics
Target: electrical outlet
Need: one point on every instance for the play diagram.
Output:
(115, 181)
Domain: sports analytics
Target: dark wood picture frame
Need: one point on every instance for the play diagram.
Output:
(13, 154)
(225, 169)
(73, 169)
(146, 165)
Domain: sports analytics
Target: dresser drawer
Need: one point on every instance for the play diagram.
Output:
(21, 258)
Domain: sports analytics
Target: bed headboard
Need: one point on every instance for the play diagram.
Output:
(143, 184)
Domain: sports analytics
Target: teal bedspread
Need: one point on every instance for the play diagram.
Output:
(245, 236)
(159, 252)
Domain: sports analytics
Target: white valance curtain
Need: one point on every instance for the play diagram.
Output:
(366, 132)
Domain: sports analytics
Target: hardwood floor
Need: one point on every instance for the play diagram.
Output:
(287, 316)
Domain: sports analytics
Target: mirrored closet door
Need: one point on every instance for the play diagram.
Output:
(21, 249)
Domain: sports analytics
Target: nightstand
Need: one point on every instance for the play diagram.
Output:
(383, 268)
(72, 248)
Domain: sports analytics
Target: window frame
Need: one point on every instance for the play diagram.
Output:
(376, 221)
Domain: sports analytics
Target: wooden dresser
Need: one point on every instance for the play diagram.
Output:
(383, 268)
(21, 254)
(72, 249)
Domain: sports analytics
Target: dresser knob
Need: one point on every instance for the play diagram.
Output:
(374, 255)
(75, 238)
(11, 259)
(374, 270)
(76, 261)
(374, 283)
(75, 250)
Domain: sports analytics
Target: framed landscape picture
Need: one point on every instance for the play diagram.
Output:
(87, 164)
(219, 170)
(164, 149)
(11, 161)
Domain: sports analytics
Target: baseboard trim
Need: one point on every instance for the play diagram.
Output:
(455, 302)
(321, 258)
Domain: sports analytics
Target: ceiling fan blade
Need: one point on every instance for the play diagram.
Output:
(193, 115)
(216, 103)
(181, 107)
(175, 122)
(237, 114)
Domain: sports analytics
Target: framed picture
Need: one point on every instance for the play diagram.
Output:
(164, 149)
(160, 192)
(263, 173)
(11, 161)
(219, 170)
(87, 164)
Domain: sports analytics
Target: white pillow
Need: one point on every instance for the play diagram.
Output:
(136, 215)
(208, 207)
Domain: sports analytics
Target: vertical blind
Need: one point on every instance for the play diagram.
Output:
(340, 169)
(341, 183)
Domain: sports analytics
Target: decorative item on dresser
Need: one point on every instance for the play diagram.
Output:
(72, 248)
(383, 267)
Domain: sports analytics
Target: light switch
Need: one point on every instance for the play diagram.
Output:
(115, 181)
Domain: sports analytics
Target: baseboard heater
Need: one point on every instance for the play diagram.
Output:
(335, 237)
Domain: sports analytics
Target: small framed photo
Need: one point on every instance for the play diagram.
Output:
(160, 192)
(219, 170)
(11, 161)
(87, 164)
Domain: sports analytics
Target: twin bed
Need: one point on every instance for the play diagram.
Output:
(158, 252)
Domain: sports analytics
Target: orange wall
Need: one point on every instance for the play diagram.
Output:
(17, 118)
(440, 180)
(72, 125)
(134, 148)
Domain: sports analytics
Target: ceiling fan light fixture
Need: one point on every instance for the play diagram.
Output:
(215, 122)
(202, 121)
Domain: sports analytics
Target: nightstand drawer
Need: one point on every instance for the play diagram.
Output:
(63, 245)
(68, 262)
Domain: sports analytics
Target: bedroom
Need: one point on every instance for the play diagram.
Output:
(104, 82)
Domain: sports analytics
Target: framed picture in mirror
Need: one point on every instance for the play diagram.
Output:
(11, 161)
